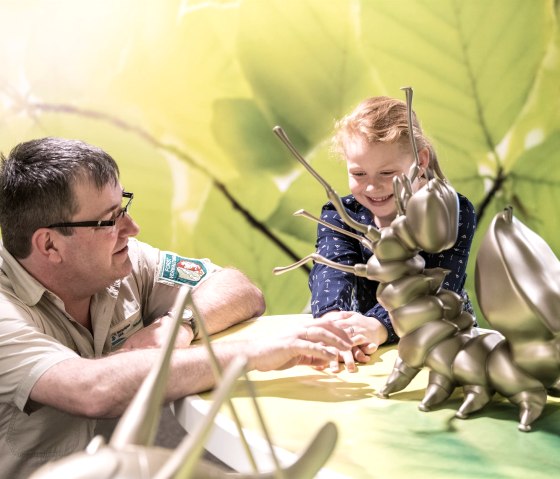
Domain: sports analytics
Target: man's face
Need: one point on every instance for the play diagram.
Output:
(95, 257)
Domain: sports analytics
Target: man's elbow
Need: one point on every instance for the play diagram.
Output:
(101, 403)
(259, 303)
(251, 294)
(86, 399)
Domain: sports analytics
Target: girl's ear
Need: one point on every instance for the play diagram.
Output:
(424, 158)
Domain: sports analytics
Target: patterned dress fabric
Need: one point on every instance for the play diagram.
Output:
(337, 290)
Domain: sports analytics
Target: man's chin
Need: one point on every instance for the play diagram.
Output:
(123, 270)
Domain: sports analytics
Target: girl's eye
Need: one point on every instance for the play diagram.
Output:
(358, 173)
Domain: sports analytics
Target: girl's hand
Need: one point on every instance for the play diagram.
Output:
(367, 334)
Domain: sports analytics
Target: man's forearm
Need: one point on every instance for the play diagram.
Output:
(104, 387)
(227, 298)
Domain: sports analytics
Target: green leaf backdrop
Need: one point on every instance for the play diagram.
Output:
(184, 94)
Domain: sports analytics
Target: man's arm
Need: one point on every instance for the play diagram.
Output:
(226, 298)
(104, 387)
(154, 335)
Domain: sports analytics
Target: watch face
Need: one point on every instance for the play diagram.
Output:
(187, 314)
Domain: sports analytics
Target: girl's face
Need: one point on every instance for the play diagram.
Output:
(371, 169)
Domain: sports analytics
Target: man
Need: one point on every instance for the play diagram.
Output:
(83, 306)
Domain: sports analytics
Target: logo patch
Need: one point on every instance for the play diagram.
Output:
(178, 270)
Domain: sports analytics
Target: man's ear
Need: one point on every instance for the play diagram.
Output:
(45, 242)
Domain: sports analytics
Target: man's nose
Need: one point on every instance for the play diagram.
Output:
(128, 227)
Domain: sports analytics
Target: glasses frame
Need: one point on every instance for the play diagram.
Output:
(98, 223)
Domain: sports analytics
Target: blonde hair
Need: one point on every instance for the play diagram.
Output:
(382, 119)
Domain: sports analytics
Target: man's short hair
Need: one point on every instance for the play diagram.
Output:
(36, 186)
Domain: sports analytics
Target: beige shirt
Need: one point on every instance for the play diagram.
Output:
(36, 333)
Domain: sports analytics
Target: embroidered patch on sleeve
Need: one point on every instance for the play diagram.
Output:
(177, 270)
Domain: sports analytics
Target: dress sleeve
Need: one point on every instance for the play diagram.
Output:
(332, 289)
(382, 315)
(336, 290)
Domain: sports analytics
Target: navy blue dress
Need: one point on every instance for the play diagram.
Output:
(336, 290)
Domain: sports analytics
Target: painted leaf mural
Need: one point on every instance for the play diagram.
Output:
(184, 94)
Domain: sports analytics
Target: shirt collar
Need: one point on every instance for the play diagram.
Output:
(25, 286)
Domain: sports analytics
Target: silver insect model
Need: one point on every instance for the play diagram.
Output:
(516, 285)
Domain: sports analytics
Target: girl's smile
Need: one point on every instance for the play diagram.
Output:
(371, 169)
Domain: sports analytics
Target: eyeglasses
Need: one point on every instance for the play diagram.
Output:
(127, 200)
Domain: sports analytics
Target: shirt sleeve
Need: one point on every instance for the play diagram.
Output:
(159, 275)
(26, 354)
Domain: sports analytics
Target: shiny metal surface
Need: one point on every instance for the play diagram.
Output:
(518, 289)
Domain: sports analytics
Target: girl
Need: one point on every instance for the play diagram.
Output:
(374, 140)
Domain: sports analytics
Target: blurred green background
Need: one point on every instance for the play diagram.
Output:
(184, 95)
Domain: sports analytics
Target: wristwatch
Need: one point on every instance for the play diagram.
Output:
(191, 321)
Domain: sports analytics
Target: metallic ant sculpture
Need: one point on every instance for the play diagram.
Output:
(516, 285)
(130, 453)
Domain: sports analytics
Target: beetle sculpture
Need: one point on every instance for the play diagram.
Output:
(516, 284)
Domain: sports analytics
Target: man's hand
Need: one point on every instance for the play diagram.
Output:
(154, 335)
(314, 344)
